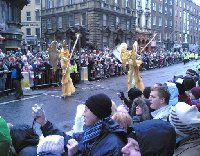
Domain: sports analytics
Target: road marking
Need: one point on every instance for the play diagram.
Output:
(23, 99)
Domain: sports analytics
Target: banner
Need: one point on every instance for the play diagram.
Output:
(117, 52)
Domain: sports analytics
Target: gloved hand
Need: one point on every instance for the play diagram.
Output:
(39, 114)
(72, 147)
(121, 95)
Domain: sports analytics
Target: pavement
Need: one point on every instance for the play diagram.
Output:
(32, 92)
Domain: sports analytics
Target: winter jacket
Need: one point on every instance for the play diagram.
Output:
(5, 139)
(110, 141)
(155, 137)
(173, 93)
(188, 147)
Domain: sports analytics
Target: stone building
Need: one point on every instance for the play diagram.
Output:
(162, 22)
(143, 24)
(109, 22)
(10, 24)
(31, 25)
(186, 24)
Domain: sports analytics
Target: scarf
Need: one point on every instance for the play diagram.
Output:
(91, 134)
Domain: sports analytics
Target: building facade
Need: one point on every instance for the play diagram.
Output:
(186, 24)
(109, 22)
(31, 25)
(162, 22)
(143, 24)
(10, 24)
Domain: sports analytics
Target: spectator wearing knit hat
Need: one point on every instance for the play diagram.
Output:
(102, 135)
(132, 94)
(186, 120)
(195, 97)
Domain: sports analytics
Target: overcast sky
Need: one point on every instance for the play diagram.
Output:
(197, 2)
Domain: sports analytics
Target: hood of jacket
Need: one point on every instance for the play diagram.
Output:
(155, 137)
(173, 90)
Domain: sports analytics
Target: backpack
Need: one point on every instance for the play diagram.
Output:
(14, 74)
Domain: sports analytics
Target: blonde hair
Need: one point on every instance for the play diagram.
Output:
(123, 119)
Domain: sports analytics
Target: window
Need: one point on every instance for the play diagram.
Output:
(160, 8)
(176, 2)
(128, 25)
(60, 22)
(159, 36)
(71, 2)
(105, 41)
(37, 32)
(28, 31)
(60, 3)
(37, 15)
(83, 19)
(180, 14)
(166, 36)
(170, 11)
(104, 20)
(170, 23)
(50, 4)
(127, 3)
(165, 22)
(154, 6)
(49, 26)
(147, 4)
(37, 1)
(180, 4)
(117, 2)
(146, 22)
(139, 21)
(139, 2)
(160, 21)
(117, 21)
(154, 20)
(28, 16)
(71, 21)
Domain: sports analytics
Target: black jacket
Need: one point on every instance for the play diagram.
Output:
(110, 141)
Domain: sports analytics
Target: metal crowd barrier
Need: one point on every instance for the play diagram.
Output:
(46, 78)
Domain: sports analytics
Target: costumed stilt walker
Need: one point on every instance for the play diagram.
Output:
(53, 55)
(67, 85)
(130, 57)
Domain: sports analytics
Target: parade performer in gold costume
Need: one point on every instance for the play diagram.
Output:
(67, 85)
(130, 57)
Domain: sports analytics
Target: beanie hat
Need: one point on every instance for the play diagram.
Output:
(196, 92)
(134, 93)
(100, 105)
(51, 143)
(185, 119)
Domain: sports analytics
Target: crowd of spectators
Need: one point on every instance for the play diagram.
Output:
(162, 120)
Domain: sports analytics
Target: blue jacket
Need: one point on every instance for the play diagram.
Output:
(110, 141)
